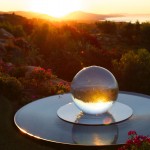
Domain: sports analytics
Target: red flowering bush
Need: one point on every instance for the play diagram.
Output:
(41, 74)
(41, 83)
(15, 83)
(136, 142)
(63, 87)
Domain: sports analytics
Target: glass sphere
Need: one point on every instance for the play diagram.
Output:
(94, 90)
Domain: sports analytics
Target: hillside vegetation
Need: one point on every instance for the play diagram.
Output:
(37, 53)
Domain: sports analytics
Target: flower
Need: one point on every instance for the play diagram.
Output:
(132, 133)
(136, 142)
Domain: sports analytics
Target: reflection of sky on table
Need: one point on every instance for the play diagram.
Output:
(117, 113)
(39, 118)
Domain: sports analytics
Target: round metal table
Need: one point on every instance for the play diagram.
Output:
(39, 119)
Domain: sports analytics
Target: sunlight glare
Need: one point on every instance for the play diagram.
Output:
(94, 108)
(55, 8)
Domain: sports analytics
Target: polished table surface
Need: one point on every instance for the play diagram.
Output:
(39, 119)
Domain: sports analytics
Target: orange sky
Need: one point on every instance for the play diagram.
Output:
(59, 8)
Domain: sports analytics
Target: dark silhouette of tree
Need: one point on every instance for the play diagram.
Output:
(107, 27)
(145, 35)
(128, 33)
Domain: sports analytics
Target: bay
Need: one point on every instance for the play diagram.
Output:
(132, 19)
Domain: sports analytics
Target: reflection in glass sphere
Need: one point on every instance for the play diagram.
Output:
(94, 89)
(97, 135)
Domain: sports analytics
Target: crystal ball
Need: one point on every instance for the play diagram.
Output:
(94, 89)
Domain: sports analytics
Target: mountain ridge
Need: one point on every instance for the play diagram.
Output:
(80, 15)
(76, 15)
(29, 14)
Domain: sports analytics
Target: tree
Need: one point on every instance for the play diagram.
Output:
(132, 71)
(145, 35)
(127, 33)
(107, 27)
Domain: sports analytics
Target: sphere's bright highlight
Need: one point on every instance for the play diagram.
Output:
(94, 90)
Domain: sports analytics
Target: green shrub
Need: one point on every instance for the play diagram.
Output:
(10, 87)
(50, 88)
(132, 71)
(18, 72)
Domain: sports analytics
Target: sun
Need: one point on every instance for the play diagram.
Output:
(55, 8)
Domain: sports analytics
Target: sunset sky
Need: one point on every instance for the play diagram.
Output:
(59, 8)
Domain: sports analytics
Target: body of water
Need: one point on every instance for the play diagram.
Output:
(132, 19)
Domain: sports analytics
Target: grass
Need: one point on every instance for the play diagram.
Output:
(12, 139)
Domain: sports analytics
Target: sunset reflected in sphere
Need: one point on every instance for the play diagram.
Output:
(94, 90)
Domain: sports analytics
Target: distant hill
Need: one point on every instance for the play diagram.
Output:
(33, 15)
(30, 15)
(77, 15)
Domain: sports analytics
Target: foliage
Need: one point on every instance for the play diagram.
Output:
(10, 86)
(145, 35)
(14, 54)
(132, 71)
(67, 47)
(41, 74)
(34, 57)
(16, 30)
(136, 142)
(41, 83)
(107, 27)
(65, 43)
(51, 88)
(18, 71)
(31, 54)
